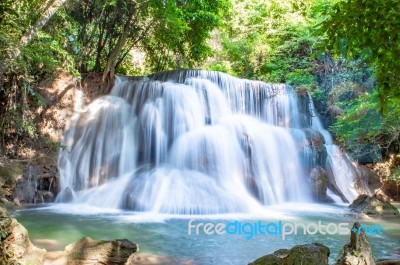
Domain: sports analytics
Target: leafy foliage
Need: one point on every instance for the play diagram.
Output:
(270, 41)
(85, 36)
(369, 29)
(363, 124)
(331, 48)
(395, 175)
(42, 58)
(170, 33)
(366, 31)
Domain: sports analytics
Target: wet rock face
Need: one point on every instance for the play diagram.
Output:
(38, 184)
(67, 195)
(304, 107)
(358, 250)
(308, 254)
(316, 143)
(367, 181)
(370, 206)
(318, 181)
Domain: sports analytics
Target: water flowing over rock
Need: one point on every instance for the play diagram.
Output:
(342, 174)
(194, 142)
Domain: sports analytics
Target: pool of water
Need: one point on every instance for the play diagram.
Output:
(54, 226)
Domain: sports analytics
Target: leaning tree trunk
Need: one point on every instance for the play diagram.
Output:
(109, 71)
(51, 7)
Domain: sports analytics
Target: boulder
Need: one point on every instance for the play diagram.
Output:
(369, 206)
(319, 184)
(308, 254)
(89, 251)
(16, 241)
(44, 196)
(358, 250)
(316, 143)
(367, 181)
(67, 195)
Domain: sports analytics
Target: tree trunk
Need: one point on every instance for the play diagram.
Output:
(50, 10)
(109, 71)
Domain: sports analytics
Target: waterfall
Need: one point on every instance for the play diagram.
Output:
(189, 142)
(337, 161)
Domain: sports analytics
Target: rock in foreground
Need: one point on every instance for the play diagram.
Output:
(15, 240)
(358, 250)
(89, 251)
(308, 254)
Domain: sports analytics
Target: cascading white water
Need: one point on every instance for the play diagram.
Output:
(187, 142)
(342, 169)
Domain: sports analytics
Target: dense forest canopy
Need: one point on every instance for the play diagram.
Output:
(343, 52)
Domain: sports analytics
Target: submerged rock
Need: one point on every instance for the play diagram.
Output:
(358, 250)
(90, 251)
(393, 259)
(388, 262)
(148, 259)
(67, 195)
(43, 196)
(308, 254)
(375, 205)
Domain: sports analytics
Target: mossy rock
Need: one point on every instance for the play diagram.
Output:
(372, 206)
(308, 254)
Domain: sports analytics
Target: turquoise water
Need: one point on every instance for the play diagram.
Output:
(56, 225)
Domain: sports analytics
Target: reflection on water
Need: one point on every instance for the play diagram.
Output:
(55, 226)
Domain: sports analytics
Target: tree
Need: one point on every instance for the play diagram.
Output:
(369, 29)
(51, 6)
(395, 177)
(109, 70)
(163, 30)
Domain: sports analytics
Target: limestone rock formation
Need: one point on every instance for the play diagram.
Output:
(358, 250)
(16, 240)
